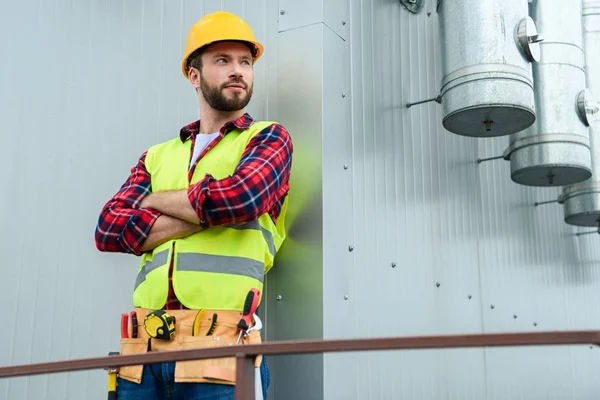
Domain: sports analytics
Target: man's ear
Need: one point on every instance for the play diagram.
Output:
(194, 76)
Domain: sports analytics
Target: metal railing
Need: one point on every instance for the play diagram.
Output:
(246, 354)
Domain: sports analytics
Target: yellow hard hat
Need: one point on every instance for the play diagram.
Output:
(216, 27)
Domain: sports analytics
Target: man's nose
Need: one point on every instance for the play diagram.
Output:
(237, 70)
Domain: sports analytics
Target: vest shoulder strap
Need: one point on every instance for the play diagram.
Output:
(154, 149)
(253, 130)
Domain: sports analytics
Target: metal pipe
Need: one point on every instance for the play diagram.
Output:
(555, 150)
(488, 47)
(582, 200)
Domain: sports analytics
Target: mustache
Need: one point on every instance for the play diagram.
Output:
(238, 81)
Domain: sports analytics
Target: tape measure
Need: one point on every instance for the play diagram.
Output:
(160, 325)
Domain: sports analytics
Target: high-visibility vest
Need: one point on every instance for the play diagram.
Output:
(216, 267)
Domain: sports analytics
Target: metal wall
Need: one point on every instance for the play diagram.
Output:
(442, 244)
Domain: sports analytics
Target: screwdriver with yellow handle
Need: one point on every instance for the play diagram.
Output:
(112, 381)
(112, 371)
(250, 305)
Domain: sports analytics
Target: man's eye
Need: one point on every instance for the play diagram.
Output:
(221, 60)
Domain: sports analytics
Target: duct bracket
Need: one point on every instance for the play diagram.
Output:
(587, 232)
(529, 39)
(437, 99)
(586, 108)
(413, 6)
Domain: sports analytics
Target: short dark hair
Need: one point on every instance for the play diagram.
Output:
(195, 59)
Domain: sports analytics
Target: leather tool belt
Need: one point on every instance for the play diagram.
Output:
(224, 333)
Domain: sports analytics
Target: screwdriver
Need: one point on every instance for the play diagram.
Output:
(250, 306)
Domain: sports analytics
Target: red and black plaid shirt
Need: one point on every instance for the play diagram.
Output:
(259, 185)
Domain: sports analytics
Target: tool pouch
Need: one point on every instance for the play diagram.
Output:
(217, 370)
(133, 373)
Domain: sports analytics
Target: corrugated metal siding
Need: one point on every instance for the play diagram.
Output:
(463, 236)
(535, 277)
(86, 87)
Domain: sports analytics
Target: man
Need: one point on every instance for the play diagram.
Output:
(206, 213)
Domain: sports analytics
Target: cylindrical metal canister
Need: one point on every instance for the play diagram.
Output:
(582, 200)
(487, 50)
(555, 150)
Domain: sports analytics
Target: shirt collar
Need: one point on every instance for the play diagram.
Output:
(191, 130)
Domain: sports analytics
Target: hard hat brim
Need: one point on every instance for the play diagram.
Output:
(258, 52)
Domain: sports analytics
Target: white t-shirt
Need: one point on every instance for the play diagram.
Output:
(202, 141)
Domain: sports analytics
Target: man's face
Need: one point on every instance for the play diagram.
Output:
(227, 77)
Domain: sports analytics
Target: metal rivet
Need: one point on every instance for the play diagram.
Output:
(343, 22)
(279, 297)
(492, 306)
(469, 296)
(515, 316)
(346, 297)
(428, 14)
(535, 324)
(437, 284)
(350, 248)
(344, 95)
(393, 265)
(346, 166)
(282, 12)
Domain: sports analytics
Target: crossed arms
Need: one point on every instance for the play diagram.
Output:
(135, 220)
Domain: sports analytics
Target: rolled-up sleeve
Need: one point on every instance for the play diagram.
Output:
(122, 227)
(260, 179)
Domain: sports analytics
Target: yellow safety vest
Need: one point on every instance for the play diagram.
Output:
(214, 268)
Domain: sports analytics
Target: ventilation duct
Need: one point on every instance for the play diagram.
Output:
(488, 47)
(582, 201)
(555, 150)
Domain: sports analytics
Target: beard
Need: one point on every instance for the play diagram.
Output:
(215, 97)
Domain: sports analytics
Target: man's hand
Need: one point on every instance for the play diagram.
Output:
(173, 203)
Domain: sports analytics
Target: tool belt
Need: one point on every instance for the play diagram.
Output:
(223, 333)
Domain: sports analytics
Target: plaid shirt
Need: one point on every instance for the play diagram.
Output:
(258, 186)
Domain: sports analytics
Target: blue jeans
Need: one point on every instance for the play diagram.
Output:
(158, 383)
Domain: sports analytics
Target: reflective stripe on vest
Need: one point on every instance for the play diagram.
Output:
(221, 264)
(159, 260)
(205, 263)
(266, 234)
